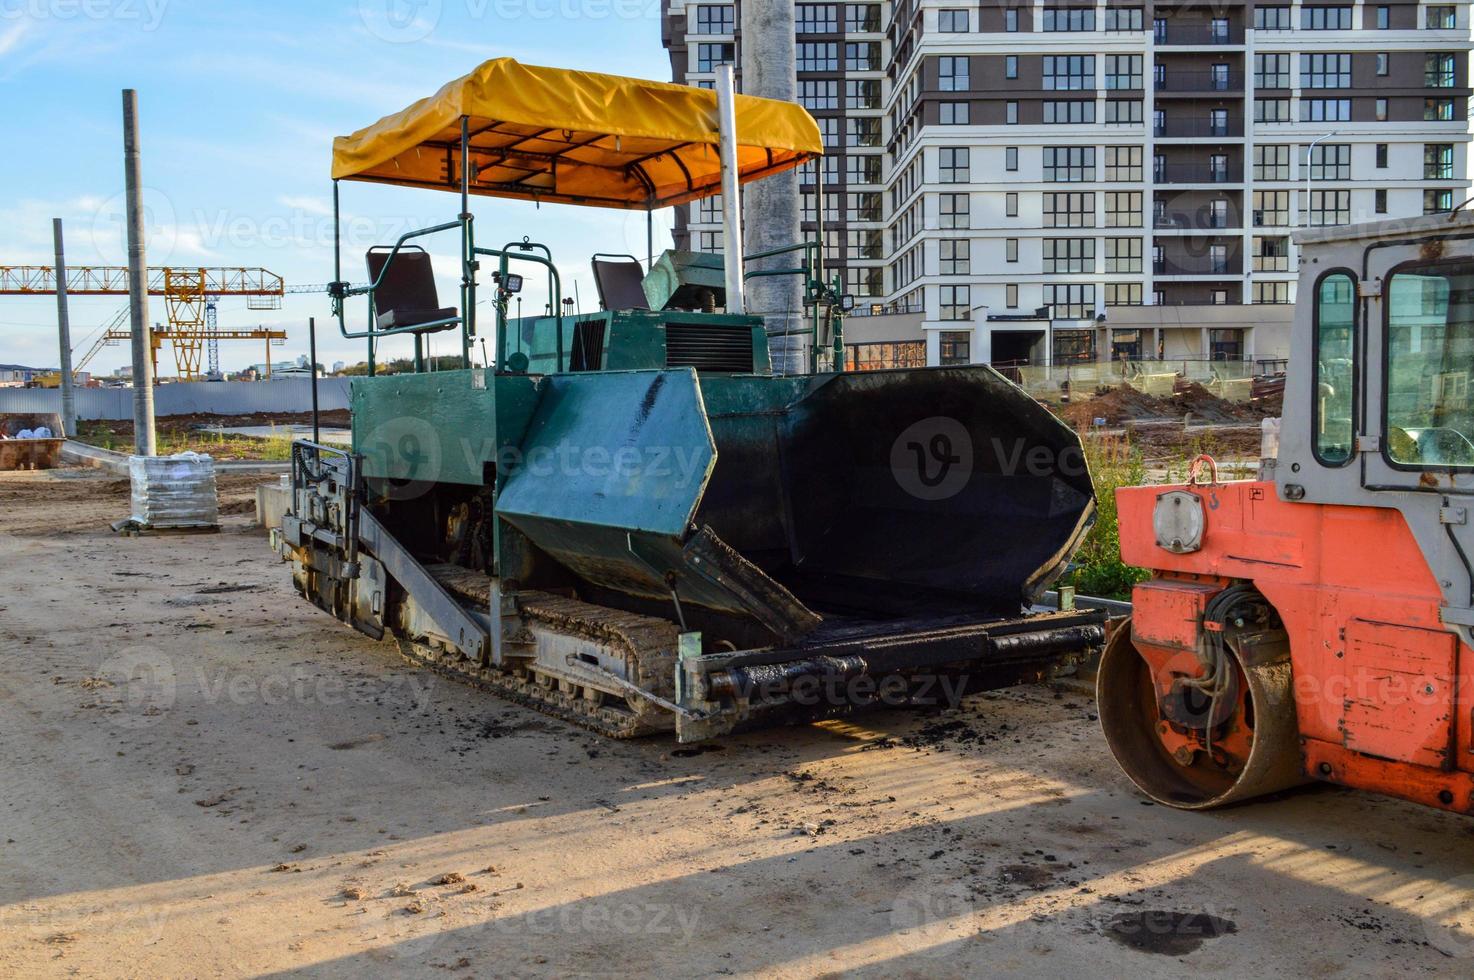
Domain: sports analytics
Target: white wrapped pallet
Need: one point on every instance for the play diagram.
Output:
(174, 491)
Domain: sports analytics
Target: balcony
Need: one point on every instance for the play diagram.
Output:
(1202, 220)
(1197, 35)
(1198, 265)
(1198, 129)
(1197, 173)
(1198, 82)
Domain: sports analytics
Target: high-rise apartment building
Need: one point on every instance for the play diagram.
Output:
(1068, 181)
(841, 59)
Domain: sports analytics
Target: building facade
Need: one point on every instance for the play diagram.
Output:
(1076, 181)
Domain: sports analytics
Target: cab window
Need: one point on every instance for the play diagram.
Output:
(1430, 354)
(1335, 367)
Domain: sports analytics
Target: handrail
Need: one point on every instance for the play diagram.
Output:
(525, 254)
(342, 290)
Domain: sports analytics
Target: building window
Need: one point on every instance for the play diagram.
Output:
(1331, 161)
(859, 168)
(1123, 112)
(1271, 110)
(818, 95)
(1064, 256)
(1071, 112)
(829, 130)
(888, 356)
(1330, 208)
(1271, 209)
(954, 346)
(1123, 255)
(1010, 21)
(816, 18)
(1123, 294)
(1071, 301)
(1438, 202)
(1123, 164)
(1325, 110)
(862, 93)
(1069, 210)
(954, 165)
(818, 56)
(955, 256)
(1010, 116)
(862, 56)
(951, 114)
(1123, 19)
(864, 130)
(1010, 66)
(1381, 156)
(1123, 71)
(1010, 204)
(1384, 18)
(1438, 161)
(1271, 162)
(1325, 71)
(1384, 61)
(1438, 110)
(862, 18)
(952, 75)
(1438, 71)
(864, 206)
(1010, 158)
(709, 57)
(1010, 250)
(1069, 19)
(715, 18)
(1271, 254)
(1010, 296)
(956, 302)
(1380, 200)
(1123, 209)
(952, 21)
(1069, 72)
(1069, 164)
(1271, 18)
(1273, 293)
(1271, 71)
(1325, 18)
(710, 241)
(1443, 17)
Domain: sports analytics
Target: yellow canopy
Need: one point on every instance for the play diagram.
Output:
(576, 137)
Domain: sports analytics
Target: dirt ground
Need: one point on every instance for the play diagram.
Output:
(202, 776)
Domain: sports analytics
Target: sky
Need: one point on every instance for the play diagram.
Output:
(239, 104)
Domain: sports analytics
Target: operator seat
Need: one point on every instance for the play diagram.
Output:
(620, 280)
(407, 297)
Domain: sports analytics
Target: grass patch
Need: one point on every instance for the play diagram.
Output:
(1099, 570)
(173, 438)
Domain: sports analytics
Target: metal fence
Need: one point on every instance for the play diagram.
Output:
(188, 398)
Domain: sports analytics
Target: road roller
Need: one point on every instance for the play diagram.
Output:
(626, 517)
(1315, 624)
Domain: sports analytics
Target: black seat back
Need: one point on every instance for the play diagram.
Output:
(407, 294)
(620, 282)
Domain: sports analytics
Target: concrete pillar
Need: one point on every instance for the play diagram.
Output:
(771, 206)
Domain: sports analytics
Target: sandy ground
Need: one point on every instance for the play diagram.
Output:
(202, 776)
